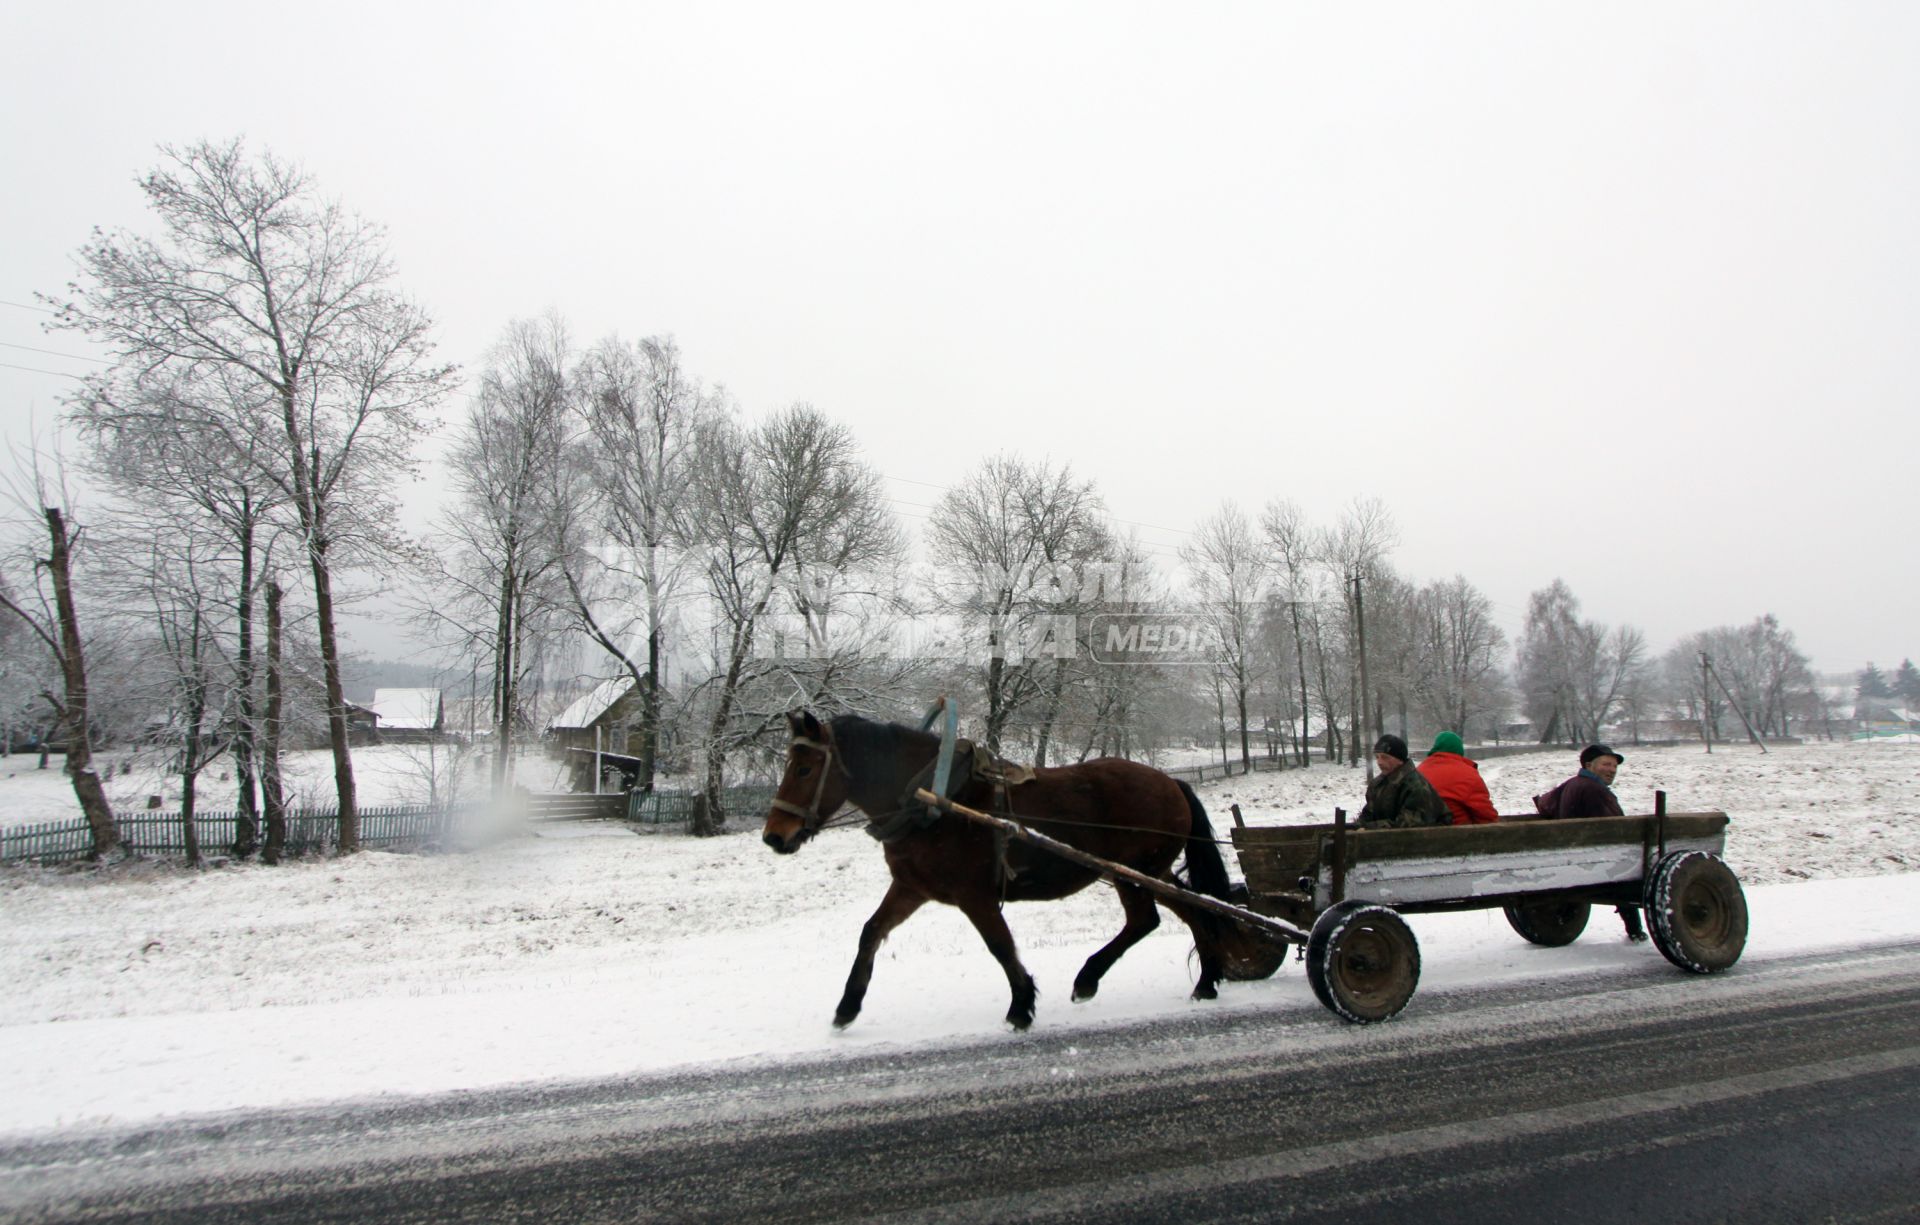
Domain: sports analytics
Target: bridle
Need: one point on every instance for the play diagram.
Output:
(811, 818)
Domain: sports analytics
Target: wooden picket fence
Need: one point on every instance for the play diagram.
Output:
(745, 802)
(162, 834)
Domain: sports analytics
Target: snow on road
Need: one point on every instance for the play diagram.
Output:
(573, 952)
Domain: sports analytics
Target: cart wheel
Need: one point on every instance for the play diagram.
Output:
(1552, 924)
(1698, 913)
(1363, 961)
(1259, 959)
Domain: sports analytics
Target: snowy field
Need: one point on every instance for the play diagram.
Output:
(383, 774)
(572, 952)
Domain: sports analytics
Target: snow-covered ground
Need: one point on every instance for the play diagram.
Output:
(383, 774)
(569, 952)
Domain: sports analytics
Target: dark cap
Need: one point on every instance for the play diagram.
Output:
(1592, 751)
(1392, 746)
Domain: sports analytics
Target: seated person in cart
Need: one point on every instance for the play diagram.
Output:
(1457, 778)
(1590, 794)
(1400, 797)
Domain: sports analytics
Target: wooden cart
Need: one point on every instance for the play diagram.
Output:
(1350, 886)
(1339, 891)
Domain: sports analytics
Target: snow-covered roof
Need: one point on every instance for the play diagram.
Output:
(582, 711)
(407, 709)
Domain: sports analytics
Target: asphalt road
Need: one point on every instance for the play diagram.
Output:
(1782, 1091)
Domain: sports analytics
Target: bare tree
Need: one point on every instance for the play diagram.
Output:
(497, 542)
(1573, 672)
(643, 412)
(1756, 666)
(273, 801)
(185, 610)
(25, 670)
(772, 501)
(1291, 539)
(1354, 551)
(1229, 568)
(289, 301)
(1459, 647)
(1123, 710)
(153, 444)
(54, 619)
(1014, 540)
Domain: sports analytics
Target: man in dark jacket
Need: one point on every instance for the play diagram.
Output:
(1399, 797)
(1590, 794)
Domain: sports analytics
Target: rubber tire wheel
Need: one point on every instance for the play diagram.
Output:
(1261, 959)
(1362, 961)
(1696, 911)
(1550, 924)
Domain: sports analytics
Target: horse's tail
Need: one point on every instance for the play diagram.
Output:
(1206, 871)
(1242, 955)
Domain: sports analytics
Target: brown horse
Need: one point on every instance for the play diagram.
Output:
(1119, 810)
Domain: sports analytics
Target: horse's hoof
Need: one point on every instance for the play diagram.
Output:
(1205, 991)
(1085, 991)
(843, 1019)
(1019, 1023)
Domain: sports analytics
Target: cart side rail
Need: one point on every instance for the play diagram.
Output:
(1460, 863)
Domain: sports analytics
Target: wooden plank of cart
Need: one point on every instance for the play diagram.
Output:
(1339, 891)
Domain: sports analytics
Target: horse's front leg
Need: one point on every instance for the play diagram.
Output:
(894, 910)
(984, 912)
(1142, 917)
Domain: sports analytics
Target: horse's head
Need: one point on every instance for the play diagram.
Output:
(812, 789)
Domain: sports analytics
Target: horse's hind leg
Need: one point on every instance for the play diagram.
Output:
(894, 910)
(984, 912)
(1142, 917)
(1206, 941)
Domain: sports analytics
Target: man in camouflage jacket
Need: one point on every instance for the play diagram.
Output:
(1400, 797)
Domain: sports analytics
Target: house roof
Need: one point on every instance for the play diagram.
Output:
(586, 710)
(407, 709)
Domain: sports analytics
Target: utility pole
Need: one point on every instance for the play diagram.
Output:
(1366, 693)
(1706, 700)
(1731, 701)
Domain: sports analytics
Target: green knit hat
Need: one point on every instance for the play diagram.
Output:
(1449, 742)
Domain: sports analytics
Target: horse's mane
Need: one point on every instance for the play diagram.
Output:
(861, 739)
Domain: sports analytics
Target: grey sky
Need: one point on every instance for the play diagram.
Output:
(1627, 294)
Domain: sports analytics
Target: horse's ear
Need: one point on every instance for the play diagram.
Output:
(812, 724)
(802, 723)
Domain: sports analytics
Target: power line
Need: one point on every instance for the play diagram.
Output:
(64, 374)
(5, 344)
(25, 307)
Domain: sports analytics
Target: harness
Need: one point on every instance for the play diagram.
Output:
(937, 778)
(957, 763)
(811, 818)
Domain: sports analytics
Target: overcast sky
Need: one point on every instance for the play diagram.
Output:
(1627, 294)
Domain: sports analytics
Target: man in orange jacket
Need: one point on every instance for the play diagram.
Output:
(1458, 781)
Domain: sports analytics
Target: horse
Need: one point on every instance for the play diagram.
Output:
(1119, 810)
